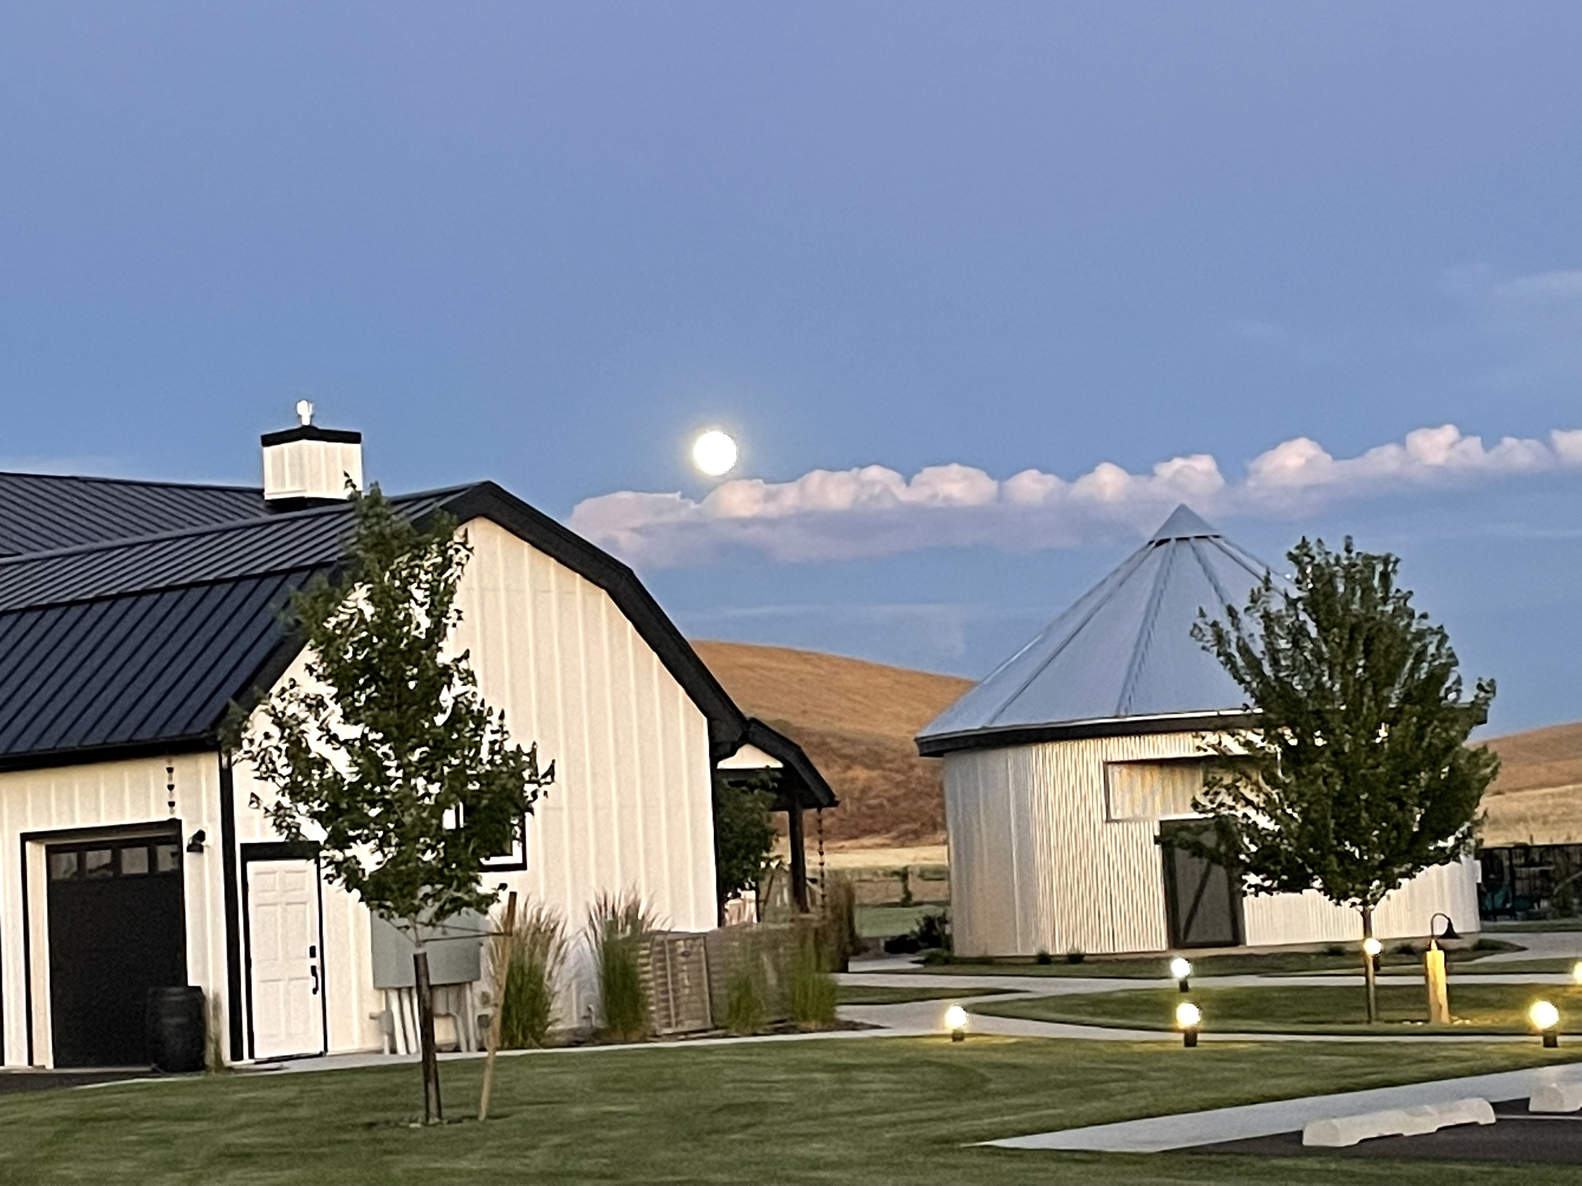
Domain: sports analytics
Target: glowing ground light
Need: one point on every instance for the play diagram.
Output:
(714, 452)
(1372, 946)
(1188, 1016)
(1576, 971)
(1545, 1017)
(1180, 968)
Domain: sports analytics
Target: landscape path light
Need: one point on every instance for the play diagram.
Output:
(1181, 969)
(1434, 973)
(1576, 971)
(956, 1023)
(1188, 1019)
(1545, 1018)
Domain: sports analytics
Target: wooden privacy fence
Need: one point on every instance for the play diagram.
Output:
(687, 975)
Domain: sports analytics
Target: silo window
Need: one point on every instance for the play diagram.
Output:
(1153, 790)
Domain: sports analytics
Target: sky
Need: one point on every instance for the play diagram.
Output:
(982, 290)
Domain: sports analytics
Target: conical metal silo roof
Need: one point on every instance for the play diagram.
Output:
(1122, 659)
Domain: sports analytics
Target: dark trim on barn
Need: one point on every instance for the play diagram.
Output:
(938, 744)
(281, 850)
(195, 743)
(233, 922)
(311, 432)
(486, 500)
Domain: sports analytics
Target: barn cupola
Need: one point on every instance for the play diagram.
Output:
(309, 466)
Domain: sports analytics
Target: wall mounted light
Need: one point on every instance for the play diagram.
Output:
(196, 843)
(1188, 1019)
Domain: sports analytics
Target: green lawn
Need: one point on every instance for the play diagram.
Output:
(881, 922)
(842, 1112)
(1316, 1008)
(1279, 963)
(863, 994)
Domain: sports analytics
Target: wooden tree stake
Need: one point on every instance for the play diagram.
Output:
(502, 968)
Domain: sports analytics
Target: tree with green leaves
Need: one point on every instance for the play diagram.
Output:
(1356, 775)
(384, 752)
(743, 833)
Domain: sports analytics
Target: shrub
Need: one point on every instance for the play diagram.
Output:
(1334, 949)
(812, 988)
(933, 930)
(1076, 955)
(618, 931)
(1043, 957)
(527, 1009)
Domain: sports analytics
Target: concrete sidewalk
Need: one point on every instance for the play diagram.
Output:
(1187, 1130)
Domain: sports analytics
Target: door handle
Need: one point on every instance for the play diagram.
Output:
(314, 968)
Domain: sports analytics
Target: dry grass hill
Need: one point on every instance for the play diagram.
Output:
(1537, 798)
(856, 720)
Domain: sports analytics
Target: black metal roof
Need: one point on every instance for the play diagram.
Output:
(43, 512)
(140, 645)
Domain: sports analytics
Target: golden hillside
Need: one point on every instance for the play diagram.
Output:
(1537, 798)
(856, 720)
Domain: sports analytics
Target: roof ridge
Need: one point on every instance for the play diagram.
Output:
(22, 473)
(216, 528)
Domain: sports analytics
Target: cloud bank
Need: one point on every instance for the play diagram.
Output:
(875, 511)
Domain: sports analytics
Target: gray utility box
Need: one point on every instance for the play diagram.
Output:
(454, 951)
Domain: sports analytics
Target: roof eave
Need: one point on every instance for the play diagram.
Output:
(935, 745)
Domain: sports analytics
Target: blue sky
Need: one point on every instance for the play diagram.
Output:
(546, 243)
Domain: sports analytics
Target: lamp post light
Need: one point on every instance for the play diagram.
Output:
(1546, 1019)
(1181, 969)
(956, 1023)
(1188, 1020)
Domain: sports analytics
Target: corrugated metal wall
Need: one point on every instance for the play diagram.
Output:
(1036, 865)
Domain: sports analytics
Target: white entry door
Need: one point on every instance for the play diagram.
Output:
(287, 965)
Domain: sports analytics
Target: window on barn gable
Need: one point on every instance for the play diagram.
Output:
(1153, 790)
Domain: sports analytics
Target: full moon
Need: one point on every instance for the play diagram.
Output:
(714, 453)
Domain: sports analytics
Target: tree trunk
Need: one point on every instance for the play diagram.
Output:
(1368, 975)
(432, 1112)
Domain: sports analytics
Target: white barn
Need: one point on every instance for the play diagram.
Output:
(133, 855)
(1067, 765)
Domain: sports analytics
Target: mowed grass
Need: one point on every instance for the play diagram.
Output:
(842, 1112)
(868, 994)
(1315, 1008)
(1275, 963)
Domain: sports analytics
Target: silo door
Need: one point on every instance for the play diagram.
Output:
(1202, 903)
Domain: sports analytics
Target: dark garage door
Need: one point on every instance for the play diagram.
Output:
(116, 930)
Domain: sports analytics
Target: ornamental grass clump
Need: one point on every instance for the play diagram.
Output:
(618, 932)
(812, 988)
(527, 1008)
(746, 1009)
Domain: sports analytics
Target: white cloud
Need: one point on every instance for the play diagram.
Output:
(874, 511)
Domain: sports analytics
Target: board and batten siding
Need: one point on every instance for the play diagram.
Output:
(104, 795)
(1037, 865)
(631, 807)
